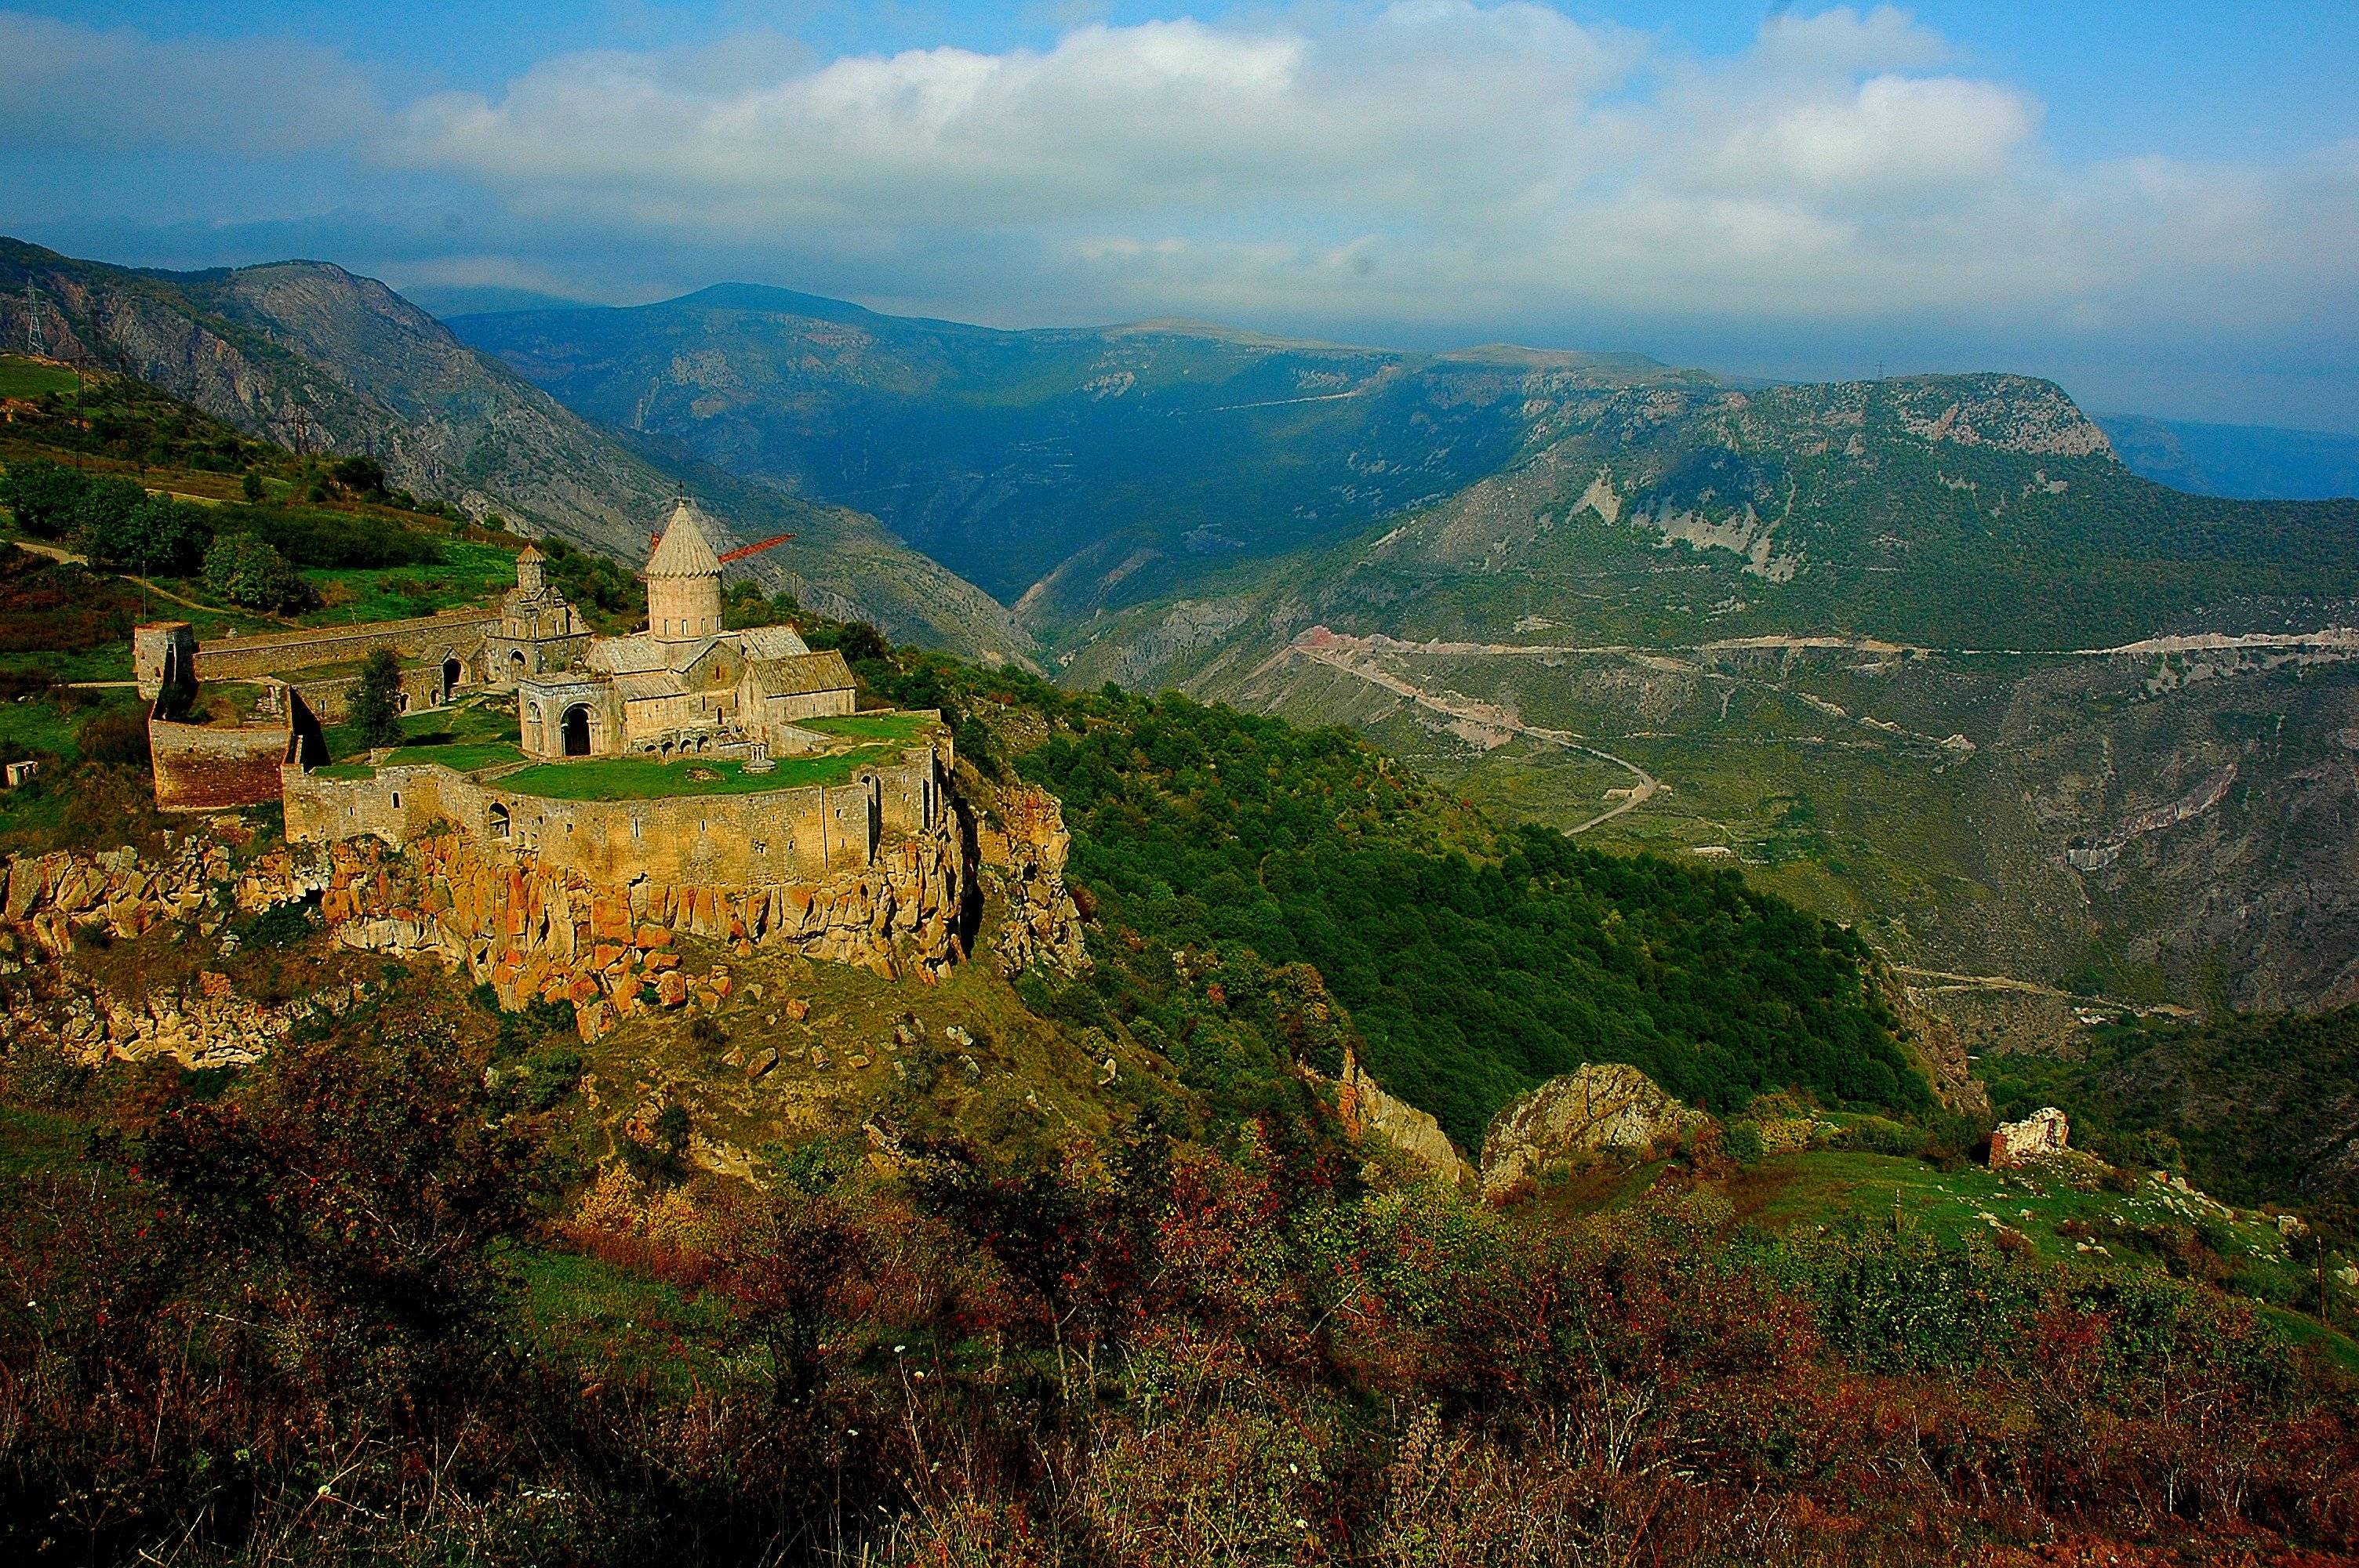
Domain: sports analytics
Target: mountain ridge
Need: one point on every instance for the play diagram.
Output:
(321, 359)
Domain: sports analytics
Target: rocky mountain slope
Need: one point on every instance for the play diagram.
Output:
(319, 360)
(1922, 653)
(1063, 469)
(1855, 629)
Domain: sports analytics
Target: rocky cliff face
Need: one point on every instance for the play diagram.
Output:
(57, 905)
(535, 933)
(1370, 1112)
(1601, 1109)
(1023, 849)
(532, 932)
(2044, 1131)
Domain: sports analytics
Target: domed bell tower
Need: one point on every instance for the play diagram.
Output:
(684, 580)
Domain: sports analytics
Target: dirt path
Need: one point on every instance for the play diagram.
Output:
(61, 554)
(1951, 981)
(1482, 722)
(2325, 639)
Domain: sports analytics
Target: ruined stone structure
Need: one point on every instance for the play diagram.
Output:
(2045, 1131)
(215, 766)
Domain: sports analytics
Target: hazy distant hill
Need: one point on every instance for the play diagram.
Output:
(2251, 461)
(320, 359)
(1067, 469)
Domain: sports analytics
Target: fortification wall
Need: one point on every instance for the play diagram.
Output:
(205, 767)
(780, 836)
(421, 689)
(276, 653)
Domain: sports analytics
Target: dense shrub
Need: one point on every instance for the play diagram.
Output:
(42, 496)
(245, 570)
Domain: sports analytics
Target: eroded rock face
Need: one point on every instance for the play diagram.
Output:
(535, 933)
(1602, 1107)
(1023, 856)
(1370, 1112)
(2044, 1131)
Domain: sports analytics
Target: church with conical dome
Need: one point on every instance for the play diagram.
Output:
(684, 687)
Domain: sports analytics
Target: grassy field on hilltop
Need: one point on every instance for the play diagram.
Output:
(638, 778)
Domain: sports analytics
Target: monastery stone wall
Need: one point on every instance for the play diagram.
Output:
(203, 767)
(778, 836)
(275, 653)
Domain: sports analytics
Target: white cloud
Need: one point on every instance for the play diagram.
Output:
(87, 89)
(1444, 163)
(1458, 153)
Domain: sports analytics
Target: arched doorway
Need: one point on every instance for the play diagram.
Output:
(515, 665)
(577, 731)
(499, 820)
(452, 673)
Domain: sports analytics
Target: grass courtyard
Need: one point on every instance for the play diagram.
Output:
(638, 778)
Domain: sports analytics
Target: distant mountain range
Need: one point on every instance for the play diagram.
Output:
(2252, 462)
(1067, 471)
(319, 360)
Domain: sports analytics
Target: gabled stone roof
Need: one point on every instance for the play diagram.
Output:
(640, 686)
(772, 642)
(801, 675)
(634, 655)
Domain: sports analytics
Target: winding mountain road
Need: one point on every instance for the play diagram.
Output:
(1478, 721)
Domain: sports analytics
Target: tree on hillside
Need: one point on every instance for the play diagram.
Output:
(246, 570)
(120, 525)
(251, 486)
(359, 475)
(42, 496)
(375, 707)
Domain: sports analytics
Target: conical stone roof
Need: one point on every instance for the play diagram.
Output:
(686, 547)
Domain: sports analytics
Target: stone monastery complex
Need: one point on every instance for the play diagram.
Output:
(684, 777)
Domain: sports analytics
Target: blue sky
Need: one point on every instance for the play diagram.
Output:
(2157, 204)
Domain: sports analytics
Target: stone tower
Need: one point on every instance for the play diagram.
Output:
(163, 654)
(531, 572)
(683, 580)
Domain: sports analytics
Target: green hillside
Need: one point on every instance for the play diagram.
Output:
(1085, 1267)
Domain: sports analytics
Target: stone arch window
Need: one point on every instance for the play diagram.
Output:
(397, 800)
(498, 819)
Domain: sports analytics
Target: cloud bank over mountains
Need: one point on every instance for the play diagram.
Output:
(1431, 166)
